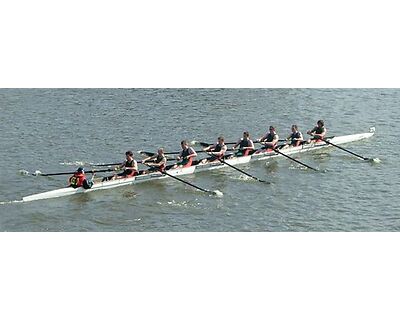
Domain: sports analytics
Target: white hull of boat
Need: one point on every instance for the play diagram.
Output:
(106, 185)
(199, 168)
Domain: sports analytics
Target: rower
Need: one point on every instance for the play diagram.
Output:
(79, 180)
(269, 140)
(245, 145)
(157, 162)
(296, 137)
(129, 165)
(186, 156)
(318, 133)
(216, 151)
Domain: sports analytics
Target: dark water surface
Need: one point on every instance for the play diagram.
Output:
(46, 129)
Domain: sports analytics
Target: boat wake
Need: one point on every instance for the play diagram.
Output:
(242, 178)
(183, 204)
(10, 202)
(27, 173)
(217, 193)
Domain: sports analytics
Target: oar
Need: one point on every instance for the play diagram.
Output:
(38, 173)
(150, 154)
(216, 192)
(205, 145)
(341, 148)
(241, 171)
(105, 164)
(108, 164)
(293, 159)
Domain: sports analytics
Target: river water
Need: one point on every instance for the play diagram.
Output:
(55, 129)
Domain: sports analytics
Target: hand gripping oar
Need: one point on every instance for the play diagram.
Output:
(241, 171)
(341, 148)
(216, 192)
(293, 159)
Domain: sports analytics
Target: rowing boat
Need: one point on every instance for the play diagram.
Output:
(257, 156)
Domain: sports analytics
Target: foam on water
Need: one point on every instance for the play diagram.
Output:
(218, 193)
(10, 202)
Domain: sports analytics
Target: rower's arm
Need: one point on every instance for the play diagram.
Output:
(161, 163)
(149, 159)
(322, 135)
(317, 135)
(237, 144)
(210, 148)
(122, 165)
(251, 147)
(311, 132)
(262, 138)
(192, 153)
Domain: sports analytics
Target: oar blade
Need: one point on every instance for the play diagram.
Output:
(374, 160)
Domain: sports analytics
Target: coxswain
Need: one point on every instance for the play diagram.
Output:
(318, 133)
(79, 180)
(157, 162)
(296, 137)
(245, 145)
(216, 151)
(186, 157)
(269, 140)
